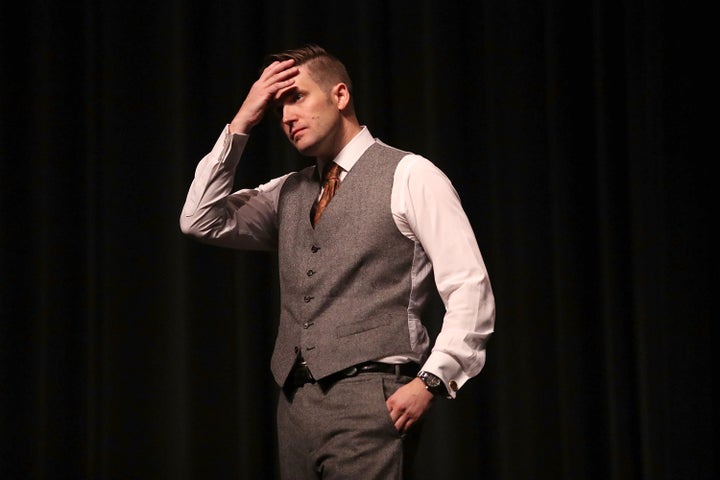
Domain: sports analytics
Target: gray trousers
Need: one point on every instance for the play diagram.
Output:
(344, 431)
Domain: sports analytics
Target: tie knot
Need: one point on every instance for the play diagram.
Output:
(331, 171)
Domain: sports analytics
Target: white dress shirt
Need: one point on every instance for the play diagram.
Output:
(425, 208)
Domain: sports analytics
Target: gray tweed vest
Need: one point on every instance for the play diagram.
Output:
(345, 285)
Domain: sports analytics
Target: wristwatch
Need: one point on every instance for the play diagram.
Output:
(433, 384)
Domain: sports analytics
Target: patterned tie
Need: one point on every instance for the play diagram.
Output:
(331, 180)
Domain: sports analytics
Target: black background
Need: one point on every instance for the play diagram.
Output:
(128, 351)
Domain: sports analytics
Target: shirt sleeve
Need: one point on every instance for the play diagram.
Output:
(428, 210)
(213, 214)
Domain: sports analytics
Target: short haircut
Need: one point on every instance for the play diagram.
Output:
(324, 68)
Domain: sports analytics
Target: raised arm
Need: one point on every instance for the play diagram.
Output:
(245, 219)
(276, 77)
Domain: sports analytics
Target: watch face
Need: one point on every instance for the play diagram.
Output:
(430, 380)
(433, 381)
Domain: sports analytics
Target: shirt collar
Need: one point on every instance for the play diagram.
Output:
(350, 154)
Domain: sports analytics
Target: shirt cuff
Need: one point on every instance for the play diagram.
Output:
(449, 371)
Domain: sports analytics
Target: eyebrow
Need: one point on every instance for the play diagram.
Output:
(287, 92)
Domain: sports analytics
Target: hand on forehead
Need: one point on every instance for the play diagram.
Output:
(283, 92)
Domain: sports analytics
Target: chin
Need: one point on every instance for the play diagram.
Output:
(306, 150)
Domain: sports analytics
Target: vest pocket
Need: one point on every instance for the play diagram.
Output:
(356, 327)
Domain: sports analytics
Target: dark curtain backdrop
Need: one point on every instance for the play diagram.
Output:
(128, 351)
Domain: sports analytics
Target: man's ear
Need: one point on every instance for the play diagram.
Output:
(341, 96)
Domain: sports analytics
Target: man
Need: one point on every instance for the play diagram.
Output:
(351, 355)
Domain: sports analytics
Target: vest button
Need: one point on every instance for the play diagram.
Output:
(307, 298)
(310, 273)
(314, 248)
(307, 325)
(297, 350)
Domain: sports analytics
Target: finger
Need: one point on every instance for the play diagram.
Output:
(403, 424)
(398, 418)
(285, 75)
(283, 88)
(399, 424)
(277, 67)
(279, 82)
(283, 64)
(395, 414)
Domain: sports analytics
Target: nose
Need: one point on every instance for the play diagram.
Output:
(288, 115)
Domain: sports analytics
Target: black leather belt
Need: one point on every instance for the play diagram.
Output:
(300, 374)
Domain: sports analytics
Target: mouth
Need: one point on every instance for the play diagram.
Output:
(295, 134)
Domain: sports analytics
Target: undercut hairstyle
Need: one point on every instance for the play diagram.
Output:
(323, 67)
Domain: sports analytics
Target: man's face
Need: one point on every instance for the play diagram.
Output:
(310, 118)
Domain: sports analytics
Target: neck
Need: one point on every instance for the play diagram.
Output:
(349, 130)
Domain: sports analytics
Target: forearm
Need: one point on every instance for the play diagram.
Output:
(215, 215)
(463, 284)
(459, 351)
(428, 209)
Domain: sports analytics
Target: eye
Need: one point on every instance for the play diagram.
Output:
(297, 97)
